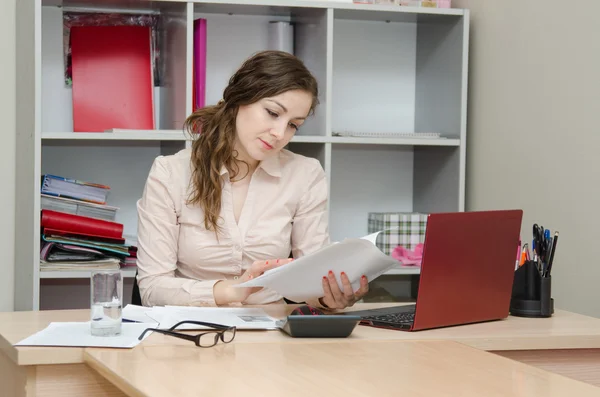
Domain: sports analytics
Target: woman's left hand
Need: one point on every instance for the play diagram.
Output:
(339, 297)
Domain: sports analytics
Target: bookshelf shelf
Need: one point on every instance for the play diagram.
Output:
(310, 139)
(140, 135)
(376, 141)
(282, 7)
(380, 69)
(396, 141)
(74, 274)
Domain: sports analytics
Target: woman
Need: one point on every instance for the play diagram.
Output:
(237, 204)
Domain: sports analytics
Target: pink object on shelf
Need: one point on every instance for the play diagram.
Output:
(200, 62)
(408, 257)
(444, 3)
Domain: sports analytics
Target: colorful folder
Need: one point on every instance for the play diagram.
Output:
(112, 78)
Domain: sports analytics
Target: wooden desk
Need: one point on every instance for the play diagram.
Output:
(567, 344)
(364, 368)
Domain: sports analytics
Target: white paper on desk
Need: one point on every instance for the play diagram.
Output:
(139, 314)
(78, 334)
(242, 318)
(301, 279)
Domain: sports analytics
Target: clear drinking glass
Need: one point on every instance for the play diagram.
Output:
(106, 302)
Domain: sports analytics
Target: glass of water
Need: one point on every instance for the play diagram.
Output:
(107, 301)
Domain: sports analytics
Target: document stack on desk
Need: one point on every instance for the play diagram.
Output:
(241, 318)
(167, 316)
(300, 279)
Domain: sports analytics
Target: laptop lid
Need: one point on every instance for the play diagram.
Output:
(467, 268)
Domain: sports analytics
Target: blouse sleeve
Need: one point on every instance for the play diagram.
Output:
(310, 229)
(158, 233)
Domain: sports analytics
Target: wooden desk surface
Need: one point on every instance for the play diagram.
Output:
(382, 368)
(564, 330)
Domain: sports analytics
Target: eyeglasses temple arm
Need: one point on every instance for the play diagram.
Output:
(171, 333)
(220, 326)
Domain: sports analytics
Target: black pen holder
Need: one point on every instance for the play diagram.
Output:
(531, 293)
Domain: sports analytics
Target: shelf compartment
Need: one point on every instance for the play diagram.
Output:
(399, 75)
(387, 178)
(122, 165)
(169, 94)
(236, 32)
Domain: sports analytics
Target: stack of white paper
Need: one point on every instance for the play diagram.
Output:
(242, 318)
(167, 316)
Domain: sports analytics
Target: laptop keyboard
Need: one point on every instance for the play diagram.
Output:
(394, 318)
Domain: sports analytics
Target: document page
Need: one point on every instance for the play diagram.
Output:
(78, 334)
(301, 279)
(242, 318)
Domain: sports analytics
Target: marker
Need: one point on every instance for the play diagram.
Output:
(523, 259)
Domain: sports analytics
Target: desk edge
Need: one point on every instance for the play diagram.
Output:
(9, 350)
(111, 376)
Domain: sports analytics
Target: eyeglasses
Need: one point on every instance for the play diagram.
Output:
(204, 339)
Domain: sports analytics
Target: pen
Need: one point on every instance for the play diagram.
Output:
(552, 251)
(518, 255)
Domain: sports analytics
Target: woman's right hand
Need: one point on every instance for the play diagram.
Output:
(225, 292)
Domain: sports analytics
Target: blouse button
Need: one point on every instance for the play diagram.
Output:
(235, 277)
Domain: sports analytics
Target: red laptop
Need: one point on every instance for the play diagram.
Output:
(466, 273)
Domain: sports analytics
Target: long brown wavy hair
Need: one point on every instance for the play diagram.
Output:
(265, 74)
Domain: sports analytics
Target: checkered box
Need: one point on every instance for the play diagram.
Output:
(408, 229)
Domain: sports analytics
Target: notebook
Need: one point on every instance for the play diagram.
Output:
(74, 189)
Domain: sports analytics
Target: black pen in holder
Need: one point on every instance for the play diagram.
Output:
(532, 293)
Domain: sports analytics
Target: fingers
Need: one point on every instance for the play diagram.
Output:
(339, 298)
(259, 267)
(347, 287)
(364, 287)
(328, 295)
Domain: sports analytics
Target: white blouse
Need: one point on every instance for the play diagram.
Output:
(179, 261)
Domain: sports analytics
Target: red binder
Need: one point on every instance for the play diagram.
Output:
(82, 236)
(112, 78)
(65, 222)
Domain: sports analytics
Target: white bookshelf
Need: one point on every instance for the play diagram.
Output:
(380, 69)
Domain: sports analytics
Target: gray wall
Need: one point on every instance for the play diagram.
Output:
(534, 128)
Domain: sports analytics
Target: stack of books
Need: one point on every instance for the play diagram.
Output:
(78, 230)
